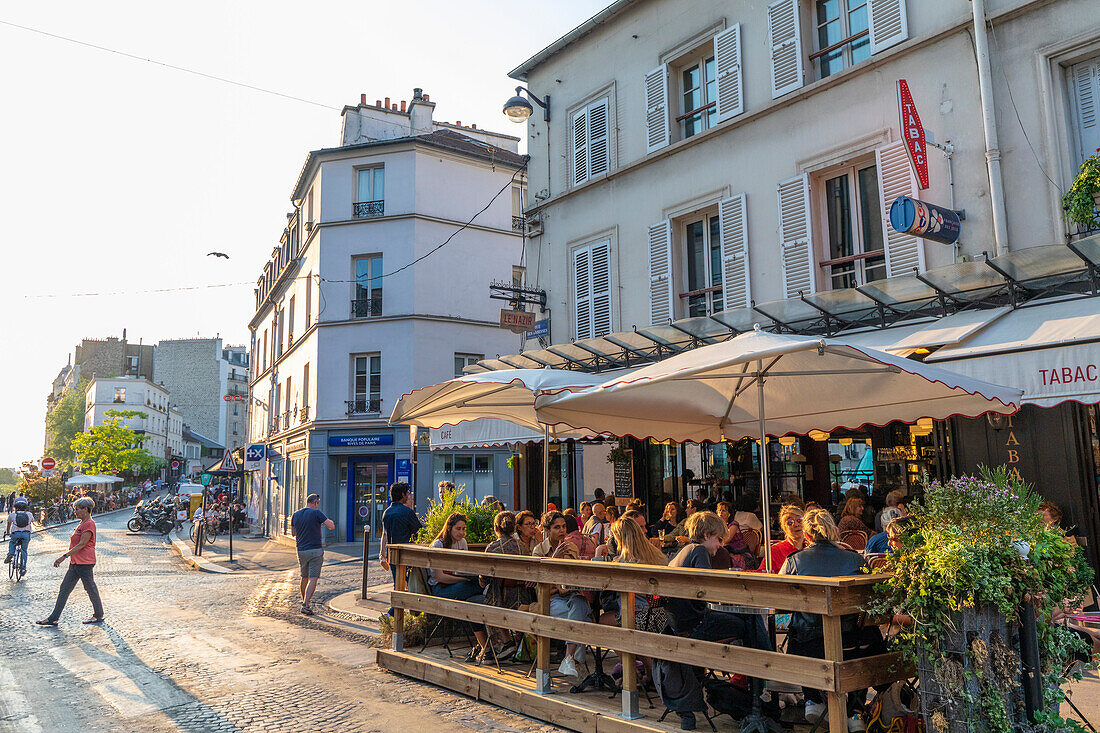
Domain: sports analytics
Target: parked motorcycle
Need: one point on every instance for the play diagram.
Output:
(152, 515)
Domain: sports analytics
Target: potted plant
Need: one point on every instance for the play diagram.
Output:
(1082, 202)
(479, 519)
(618, 454)
(979, 557)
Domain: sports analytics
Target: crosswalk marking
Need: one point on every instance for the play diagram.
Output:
(14, 706)
(130, 688)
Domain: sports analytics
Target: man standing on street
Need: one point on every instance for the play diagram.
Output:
(399, 525)
(305, 527)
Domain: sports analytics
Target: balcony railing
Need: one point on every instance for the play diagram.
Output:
(303, 414)
(366, 308)
(518, 223)
(364, 406)
(286, 420)
(368, 209)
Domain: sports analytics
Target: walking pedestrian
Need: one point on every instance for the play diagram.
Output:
(305, 527)
(399, 525)
(81, 556)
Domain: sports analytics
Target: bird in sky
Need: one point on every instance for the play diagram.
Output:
(217, 254)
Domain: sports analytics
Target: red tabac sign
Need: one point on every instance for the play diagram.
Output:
(912, 131)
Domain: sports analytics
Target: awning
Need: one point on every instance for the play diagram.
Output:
(1050, 351)
(484, 433)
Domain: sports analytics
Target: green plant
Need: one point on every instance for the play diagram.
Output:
(416, 629)
(513, 460)
(979, 542)
(479, 519)
(1079, 202)
(618, 454)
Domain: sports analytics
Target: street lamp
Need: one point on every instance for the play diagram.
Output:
(518, 109)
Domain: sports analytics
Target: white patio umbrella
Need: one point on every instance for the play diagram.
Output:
(82, 480)
(760, 384)
(507, 394)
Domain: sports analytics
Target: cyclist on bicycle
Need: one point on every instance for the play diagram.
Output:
(19, 530)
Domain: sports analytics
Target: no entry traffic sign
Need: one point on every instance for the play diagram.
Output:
(48, 464)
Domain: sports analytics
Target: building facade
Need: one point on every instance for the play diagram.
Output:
(379, 285)
(162, 425)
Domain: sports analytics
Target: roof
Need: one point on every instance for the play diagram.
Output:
(449, 140)
(615, 8)
(190, 436)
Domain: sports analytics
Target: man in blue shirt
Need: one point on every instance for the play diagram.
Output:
(399, 524)
(305, 526)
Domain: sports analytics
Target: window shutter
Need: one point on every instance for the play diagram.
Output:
(598, 154)
(784, 34)
(580, 146)
(887, 23)
(795, 238)
(660, 272)
(582, 288)
(895, 178)
(734, 230)
(601, 288)
(727, 69)
(656, 109)
(1085, 81)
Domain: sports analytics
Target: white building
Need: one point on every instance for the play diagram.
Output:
(162, 425)
(345, 322)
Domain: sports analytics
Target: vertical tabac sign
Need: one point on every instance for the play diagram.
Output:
(912, 132)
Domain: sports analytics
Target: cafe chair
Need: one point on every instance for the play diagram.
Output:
(854, 538)
(752, 540)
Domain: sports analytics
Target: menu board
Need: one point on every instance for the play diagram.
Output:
(624, 477)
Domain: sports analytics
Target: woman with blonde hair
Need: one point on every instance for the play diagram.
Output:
(794, 539)
(633, 545)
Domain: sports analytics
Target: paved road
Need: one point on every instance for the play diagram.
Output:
(189, 651)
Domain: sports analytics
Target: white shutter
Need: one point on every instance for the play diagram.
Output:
(582, 289)
(601, 288)
(1085, 83)
(598, 155)
(887, 23)
(795, 237)
(660, 272)
(734, 230)
(727, 72)
(580, 146)
(785, 37)
(657, 130)
(895, 178)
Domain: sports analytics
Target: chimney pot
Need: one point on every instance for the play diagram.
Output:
(387, 101)
(378, 103)
(458, 123)
(474, 126)
(426, 98)
(402, 105)
(362, 98)
(394, 108)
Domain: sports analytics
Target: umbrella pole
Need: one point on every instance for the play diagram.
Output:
(545, 467)
(765, 493)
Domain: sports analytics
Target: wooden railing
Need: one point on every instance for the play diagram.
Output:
(832, 598)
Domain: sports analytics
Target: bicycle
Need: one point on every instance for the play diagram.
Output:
(18, 562)
(207, 535)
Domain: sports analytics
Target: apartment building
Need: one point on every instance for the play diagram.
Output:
(162, 425)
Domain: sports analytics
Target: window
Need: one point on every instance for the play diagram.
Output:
(519, 203)
(370, 192)
(703, 266)
(309, 300)
(591, 149)
(464, 360)
(235, 408)
(367, 387)
(120, 394)
(1084, 82)
(842, 35)
(131, 365)
(368, 286)
(234, 426)
(854, 250)
(305, 387)
(290, 323)
(592, 289)
(309, 208)
(698, 94)
(280, 319)
(265, 349)
(519, 275)
(472, 475)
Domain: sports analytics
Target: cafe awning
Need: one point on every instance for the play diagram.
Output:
(483, 433)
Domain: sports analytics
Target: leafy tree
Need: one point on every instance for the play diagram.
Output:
(65, 422)
(113, 447)
(35, 486)
(8, 476)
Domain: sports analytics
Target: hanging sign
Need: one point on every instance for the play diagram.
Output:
(928, 221)
(912, 132)
(517, 321)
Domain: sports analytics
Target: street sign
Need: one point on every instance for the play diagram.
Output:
(205, 479)
(228, 462)
(541, 329)
(175, 465)
(48, 464)
(912, 132)
(921, 219)
(254, 456)
(47, 473)
(517, 321)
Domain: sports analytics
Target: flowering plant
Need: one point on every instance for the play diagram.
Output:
(1079, 202)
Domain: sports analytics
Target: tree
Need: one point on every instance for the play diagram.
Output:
(33, 485)
(8, 476)
(65, 422)
(114, 448)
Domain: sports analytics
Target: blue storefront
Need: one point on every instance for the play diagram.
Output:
(363, 464)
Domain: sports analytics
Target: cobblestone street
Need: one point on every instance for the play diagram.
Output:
(191, 651)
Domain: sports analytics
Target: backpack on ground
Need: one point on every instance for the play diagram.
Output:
(22, 519)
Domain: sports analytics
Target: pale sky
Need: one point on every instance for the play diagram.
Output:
(117, 176)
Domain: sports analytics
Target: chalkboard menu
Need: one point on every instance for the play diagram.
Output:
(624, 477)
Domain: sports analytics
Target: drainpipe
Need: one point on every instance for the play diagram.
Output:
(989, 122)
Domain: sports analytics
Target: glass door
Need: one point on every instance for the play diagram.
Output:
(371, 481)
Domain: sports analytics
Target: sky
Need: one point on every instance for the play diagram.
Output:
(117, 176)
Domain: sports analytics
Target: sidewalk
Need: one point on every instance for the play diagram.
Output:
(354, 607)
(257, 554)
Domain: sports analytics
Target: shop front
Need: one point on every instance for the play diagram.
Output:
(363, 464)
(475, 457)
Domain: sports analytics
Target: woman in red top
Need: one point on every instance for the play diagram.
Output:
(790, 519)
(81, 557)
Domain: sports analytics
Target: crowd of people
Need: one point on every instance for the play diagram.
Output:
(59, 508)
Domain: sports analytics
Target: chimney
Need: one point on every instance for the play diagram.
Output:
(362, 98)
(458, 123)
(420, 113)
(402, 105)
(378, 103)
(387, 102)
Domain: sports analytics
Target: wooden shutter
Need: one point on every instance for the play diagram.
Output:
(734, 230)
(785, 38)
(580, 146)
(582, 291)
(598, 152)
(727, 72)
(895, 178)
(660, 272)
(795, 238)
(656, 109)
(887, 23)
(600, 259)
(1085, 84)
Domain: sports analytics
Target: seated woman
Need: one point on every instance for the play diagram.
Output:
(1052, 517)
(790, 519)
(851, 517)
(564, 603)
(527, 531)
(671, 517)
(740, 556)
(585, 543)
(457, 587)
(823, 556)
(502, 592)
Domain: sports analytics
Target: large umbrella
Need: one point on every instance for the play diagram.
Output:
(507, 394)
(759, 384)
(82, 480)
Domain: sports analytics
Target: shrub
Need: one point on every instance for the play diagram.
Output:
(479, 519)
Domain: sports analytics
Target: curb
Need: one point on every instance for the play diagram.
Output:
(198, 563)
(354, 612)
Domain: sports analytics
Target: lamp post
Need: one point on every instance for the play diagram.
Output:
(518, 108)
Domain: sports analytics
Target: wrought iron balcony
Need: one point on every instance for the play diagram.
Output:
(286, 420)
(366, 308)
(518, 223)
(368, 209)
(303, 414)
(364, 406)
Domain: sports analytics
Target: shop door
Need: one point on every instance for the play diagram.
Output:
(370, 495)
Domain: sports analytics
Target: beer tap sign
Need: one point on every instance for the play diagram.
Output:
(912, 132)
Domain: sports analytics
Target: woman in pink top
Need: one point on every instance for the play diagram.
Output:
(81, 557)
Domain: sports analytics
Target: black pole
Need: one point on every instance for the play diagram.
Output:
(366, 554)
(1029, 656)
(230, 535)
